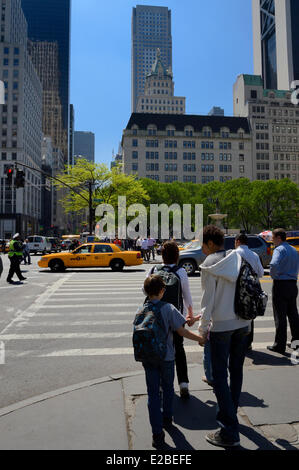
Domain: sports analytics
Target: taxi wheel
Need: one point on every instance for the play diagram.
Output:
(56, 266)
(117, 265)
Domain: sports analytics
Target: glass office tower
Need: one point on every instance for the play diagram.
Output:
(49, 22)
(276, 42)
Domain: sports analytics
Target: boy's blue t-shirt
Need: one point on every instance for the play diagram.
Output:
(173, 320)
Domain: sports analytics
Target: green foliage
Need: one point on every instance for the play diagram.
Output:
(249, 205)
(106, 186)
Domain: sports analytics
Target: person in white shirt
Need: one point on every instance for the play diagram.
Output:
(241, 245)
(144, 249)
(151, 247)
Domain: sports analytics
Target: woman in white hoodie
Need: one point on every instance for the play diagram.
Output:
(228, 332)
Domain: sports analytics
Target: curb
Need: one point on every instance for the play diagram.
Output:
(63, 391)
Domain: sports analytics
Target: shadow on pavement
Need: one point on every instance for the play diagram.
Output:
(260, 441)
(285, 444)
(195, 414)
(179, 439)
(261, 358)
(250, 400)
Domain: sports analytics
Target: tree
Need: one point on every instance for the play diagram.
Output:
(237, 202)
(276, 203)
(91, 184)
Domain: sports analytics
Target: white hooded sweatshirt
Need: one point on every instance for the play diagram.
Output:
(218, 288)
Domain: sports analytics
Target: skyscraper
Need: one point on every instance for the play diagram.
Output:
(49, 27)
(151, 30)
(20, 125)
(84, 144)
(276, 42)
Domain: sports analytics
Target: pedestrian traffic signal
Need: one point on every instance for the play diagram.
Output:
(20, 179)
(9, 176)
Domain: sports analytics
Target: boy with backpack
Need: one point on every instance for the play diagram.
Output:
(177, 293)
(153, 346)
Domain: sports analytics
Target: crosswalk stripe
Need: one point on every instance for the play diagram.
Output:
(109, 322)
(87, 305)
(39, 336)
(124, 351)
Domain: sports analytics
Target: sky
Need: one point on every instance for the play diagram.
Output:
(211, 41)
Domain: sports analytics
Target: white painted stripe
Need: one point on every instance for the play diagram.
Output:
(78, 323)
(75, 306)
(125, 351)
(41, 336)
(81, 335)
(39, 302)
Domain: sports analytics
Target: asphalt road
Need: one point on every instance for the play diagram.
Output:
(61, 329)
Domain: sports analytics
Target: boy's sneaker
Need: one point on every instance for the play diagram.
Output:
(216, 439)
(159, 440)
(184, 391)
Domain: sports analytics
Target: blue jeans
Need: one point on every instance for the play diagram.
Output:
(228, 351)
(207, 364)
(155, 376)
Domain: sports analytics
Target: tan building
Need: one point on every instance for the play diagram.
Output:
(274, 124)
(187, 148)
(158, 94)
(44, 56)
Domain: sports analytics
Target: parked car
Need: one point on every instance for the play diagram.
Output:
(38, 244)
(56, 245)
(193, 257)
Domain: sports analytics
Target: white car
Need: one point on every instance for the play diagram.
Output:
(38, 244)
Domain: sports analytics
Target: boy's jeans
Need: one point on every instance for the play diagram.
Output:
(155, 376)
(228, 351)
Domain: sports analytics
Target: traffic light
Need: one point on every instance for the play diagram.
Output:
(9, 176)
(20, 179)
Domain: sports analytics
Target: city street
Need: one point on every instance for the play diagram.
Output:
(61, 329)
(68, 359)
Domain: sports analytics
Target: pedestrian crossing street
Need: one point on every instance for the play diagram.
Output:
(91, 313)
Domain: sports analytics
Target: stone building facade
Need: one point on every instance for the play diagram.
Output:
(274, 122)
(187, 148)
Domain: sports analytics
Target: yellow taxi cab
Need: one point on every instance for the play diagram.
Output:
(92, 255)
(294, 241)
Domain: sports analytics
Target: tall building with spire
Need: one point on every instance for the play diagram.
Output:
(151, 29)
(276, 42)
(158, 94)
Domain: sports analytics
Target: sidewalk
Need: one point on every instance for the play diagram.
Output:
(111, 414)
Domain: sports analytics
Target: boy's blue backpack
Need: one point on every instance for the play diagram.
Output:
(149, 336)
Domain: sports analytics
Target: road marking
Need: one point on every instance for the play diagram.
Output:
(87, 305)
(39, 336)
(39, 302)
(125, 351)
(79, 323)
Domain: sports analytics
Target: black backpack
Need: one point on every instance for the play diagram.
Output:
(173, 294)
(149, 336)
(250, 299)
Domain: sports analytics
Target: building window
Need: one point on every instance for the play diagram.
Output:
(134, 143)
